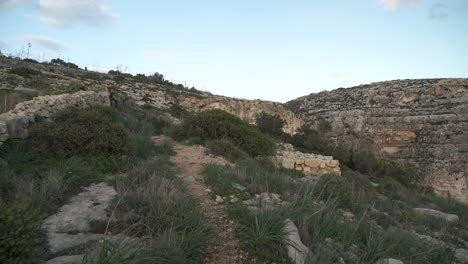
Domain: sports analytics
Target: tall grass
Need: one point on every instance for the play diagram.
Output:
(262, 233)
(161, 209)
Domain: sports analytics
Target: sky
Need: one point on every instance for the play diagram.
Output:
(255, 49)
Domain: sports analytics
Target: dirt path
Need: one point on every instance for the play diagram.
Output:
(224, 248)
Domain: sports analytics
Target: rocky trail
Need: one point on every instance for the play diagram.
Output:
(224, 247)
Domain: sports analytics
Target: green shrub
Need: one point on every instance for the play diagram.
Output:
(335, 187)
(142, 147)
(38, 83)
(258, 179)
(226, 149)
(262, 234)
(270, 124)
(164, 148)
(24, 71)
(90, 132)
(217, 124)
(21, 237)
(311, 140)
(323, 124)
(215, 178)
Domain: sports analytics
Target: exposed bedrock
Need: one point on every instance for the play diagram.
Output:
(424, 121)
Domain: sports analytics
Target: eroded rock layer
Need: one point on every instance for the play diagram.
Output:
(425, 121)
(244, 109)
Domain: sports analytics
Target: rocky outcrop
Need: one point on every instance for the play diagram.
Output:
(244, 109)
(69, 227)
(451, 218)
(195, 102)
(310, 164)
(423, 121)
(15, 123)
(297, 251)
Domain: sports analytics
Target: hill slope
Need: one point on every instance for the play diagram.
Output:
(425, 121)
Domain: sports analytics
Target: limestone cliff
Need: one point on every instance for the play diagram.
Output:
(242, 108)
(425, 121)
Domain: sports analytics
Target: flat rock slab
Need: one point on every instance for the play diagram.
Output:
(68, 228)
(389, 261)
(83, 208)
(451, 218)
(75, 259)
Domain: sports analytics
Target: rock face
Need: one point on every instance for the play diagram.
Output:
(423, 121)
(69, 227)
(15, 123)
(310, 164)
(244, 109)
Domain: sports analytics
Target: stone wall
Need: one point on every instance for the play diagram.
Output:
(424, 121)
(15, 123)
(310, 164)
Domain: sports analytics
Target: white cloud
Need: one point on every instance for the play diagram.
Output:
(9, 4)
(395, 4)
(43, 42)
(72, 12)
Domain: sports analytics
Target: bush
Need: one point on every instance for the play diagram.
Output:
(218, 124)
(262, 234)
(226, 149)
(215, 178)
(270, 124)
(368, 163)
(39, 83)
(335, 187)
(90, 132)
(24, 71)
(258, 179)
(21, 237)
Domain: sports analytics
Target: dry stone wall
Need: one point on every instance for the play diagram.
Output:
(424, 121)
(15, 123)
(310, 164)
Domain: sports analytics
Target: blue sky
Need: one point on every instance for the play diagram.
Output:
(255, 49)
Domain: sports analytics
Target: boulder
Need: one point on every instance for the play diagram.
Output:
(461, 255)
(451, 218)
(297, 251)
(389, 261)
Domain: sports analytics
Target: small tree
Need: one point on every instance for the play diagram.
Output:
(270, 124)
(156, 77)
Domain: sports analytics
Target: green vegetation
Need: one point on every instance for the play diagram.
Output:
(270, 124)
(91, 132)
(217, 124)
(365, 162)
(9, 98)
(335, 188)
(262, 233)
(21, 237)
(226, 149)
(24, 71)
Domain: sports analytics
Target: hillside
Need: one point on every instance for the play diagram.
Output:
(117, 168)
(424, 121)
